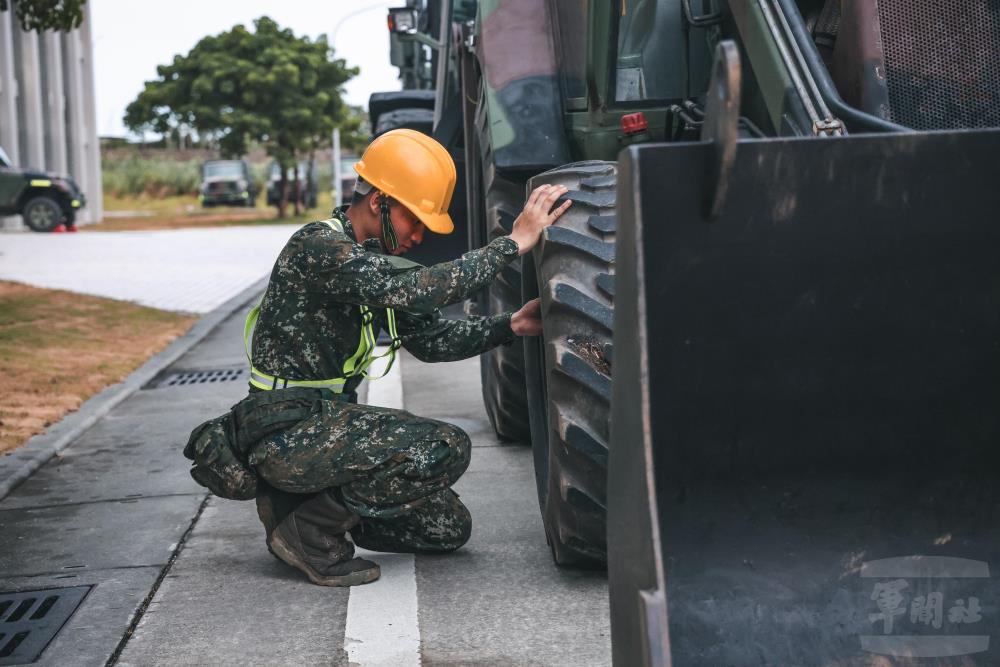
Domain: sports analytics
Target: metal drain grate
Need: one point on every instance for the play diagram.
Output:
(29, 620)
(202, 377)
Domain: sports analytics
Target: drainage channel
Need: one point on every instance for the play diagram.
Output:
(180, 378)
(30, 620)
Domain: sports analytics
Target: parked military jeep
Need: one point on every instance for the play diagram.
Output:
(43, 199)
(227, 182)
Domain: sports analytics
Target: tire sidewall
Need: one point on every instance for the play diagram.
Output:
(42, 214)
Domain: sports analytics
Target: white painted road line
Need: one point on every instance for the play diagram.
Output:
(382, 629)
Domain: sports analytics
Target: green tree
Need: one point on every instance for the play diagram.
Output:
(46, 14)
(241, 87)
(354, 133)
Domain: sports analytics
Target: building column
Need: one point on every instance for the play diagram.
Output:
(32, 152)
(8, 88)
(55, 104)
(76, 126)
(94, 211)
(81, 126)
(8, 100)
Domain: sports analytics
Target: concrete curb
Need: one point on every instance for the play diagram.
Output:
(20, 464)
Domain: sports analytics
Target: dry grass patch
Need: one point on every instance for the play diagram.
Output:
(59, 348)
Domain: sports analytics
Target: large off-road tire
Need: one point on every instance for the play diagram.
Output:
(502, 368)
(574, 274)
(42, 214)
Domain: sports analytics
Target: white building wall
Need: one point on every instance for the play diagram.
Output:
(48, 112)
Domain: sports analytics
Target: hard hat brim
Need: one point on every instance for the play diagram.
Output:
(440, 223)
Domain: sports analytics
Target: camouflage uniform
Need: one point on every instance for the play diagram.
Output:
(390, 467)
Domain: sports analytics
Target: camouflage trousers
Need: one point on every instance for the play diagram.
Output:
(393, 469)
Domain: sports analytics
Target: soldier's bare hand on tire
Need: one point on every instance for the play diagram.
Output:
(528, 320)
(537, 215)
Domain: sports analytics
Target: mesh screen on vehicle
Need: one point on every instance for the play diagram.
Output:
(942, 62)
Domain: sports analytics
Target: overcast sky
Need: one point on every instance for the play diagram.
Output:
(132, 37)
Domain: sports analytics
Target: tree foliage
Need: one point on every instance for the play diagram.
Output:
(242, 87)
(354, 130)
(46, 14)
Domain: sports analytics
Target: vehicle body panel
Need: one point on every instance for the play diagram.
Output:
(19, 185)
(807, 384)
(521, 85)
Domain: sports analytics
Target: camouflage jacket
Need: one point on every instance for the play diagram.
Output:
(310, 322)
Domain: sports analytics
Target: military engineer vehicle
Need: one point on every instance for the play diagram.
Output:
(765, 394)
(420, 37)
(45, 201)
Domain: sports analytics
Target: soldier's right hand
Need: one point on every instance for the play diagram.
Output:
(537, 215)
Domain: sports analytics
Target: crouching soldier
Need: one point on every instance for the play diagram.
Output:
(319, 464)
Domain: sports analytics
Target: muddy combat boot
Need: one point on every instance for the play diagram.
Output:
(311, 539)
(274, 505)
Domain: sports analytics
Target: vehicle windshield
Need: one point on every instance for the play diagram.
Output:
(4, 160)
(643, 56)
(572, 18)
(227, 169)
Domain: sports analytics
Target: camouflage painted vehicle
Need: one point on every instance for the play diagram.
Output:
(44, 200)
(758, 339)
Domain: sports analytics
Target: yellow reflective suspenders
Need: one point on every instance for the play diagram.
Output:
(357, 364)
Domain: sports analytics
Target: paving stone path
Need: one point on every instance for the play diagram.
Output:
(185, 270)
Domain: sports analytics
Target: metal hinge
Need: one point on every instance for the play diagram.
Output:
(470, 37)
(828, 127)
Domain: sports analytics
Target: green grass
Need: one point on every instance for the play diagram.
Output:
(160, 177)
(153, 177)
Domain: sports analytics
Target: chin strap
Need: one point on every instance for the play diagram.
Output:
(388, 233)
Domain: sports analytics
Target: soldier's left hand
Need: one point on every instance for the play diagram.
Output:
(528, 320)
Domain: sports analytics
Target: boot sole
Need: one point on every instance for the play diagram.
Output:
(283, 552)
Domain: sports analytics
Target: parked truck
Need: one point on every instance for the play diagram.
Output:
(767, 383)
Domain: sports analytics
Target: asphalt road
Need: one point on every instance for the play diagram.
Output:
(180, 578)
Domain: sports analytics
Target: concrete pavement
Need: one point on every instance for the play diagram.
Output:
(186, 270)
(181, 578)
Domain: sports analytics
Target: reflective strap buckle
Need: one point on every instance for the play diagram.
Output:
(389, 356)
(269, 382)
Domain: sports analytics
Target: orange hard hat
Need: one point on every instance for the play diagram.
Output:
(416, 171)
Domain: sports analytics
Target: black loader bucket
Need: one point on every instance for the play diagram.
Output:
(806, 405)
